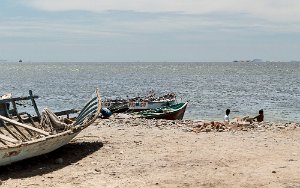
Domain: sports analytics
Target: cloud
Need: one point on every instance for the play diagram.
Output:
(46, 30)
(271, 10)
(122, 27)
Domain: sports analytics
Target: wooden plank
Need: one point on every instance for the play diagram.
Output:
(6, 138)
(10, 132)
(25, 126)
(18, 99)
(20, 132)
(21, 120)
(1, 132)
(15, 107)
(34, 105)
(2, 141)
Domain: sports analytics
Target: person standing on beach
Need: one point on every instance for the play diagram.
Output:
(226, 117)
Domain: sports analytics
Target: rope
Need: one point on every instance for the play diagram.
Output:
(51, 122)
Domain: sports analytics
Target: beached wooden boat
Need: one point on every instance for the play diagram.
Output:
(147, 105)
(172, 112)
(23, 136)
(116, 106)
(151, 102)
(139, 103)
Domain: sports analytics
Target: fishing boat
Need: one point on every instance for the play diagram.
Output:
(172, 112)
(151, 102)
(117, 105)
(24, 136)
(146, 105)
(135, 104)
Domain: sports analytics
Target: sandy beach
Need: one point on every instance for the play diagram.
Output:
(161, 153)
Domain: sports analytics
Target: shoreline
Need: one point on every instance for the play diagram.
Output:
(164, 153)
(218, 119)
(200, 125)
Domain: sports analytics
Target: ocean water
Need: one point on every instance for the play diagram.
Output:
(211, 88)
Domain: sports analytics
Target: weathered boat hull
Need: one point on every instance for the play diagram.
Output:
(34, 148)
(19, 140)
(139, 106)
(172, 115)
(139, 103)
(118, 107)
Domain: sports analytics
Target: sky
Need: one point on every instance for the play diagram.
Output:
(149, 30)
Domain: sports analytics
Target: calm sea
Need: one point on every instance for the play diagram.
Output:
(211, 88)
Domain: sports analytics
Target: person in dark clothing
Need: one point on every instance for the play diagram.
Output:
(260, 116)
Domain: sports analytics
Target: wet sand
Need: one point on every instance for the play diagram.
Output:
(151, 153)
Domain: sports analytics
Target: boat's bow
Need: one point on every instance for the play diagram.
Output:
(89, 112)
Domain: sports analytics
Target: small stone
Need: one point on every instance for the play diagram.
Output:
(59, 160)
(97, 170)
(113, 173)
(200, 124)
(246, 124)
(273, 171)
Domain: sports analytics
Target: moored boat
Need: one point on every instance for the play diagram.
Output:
(139, 103)
(116, 105)
(172, 112)
(146, 105)
(151, 102)
(23, 136)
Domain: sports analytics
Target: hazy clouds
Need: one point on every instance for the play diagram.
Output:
(152, 30)
(272, 10)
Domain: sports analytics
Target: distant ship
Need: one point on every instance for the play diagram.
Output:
(20, 61)
(248, 61)
(257, 61)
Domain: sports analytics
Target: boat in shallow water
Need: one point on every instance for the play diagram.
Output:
(24, 136)
(172, 112)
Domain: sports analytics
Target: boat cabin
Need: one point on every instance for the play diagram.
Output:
(8, 107)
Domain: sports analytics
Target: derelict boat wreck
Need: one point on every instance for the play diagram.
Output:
(24, 136)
